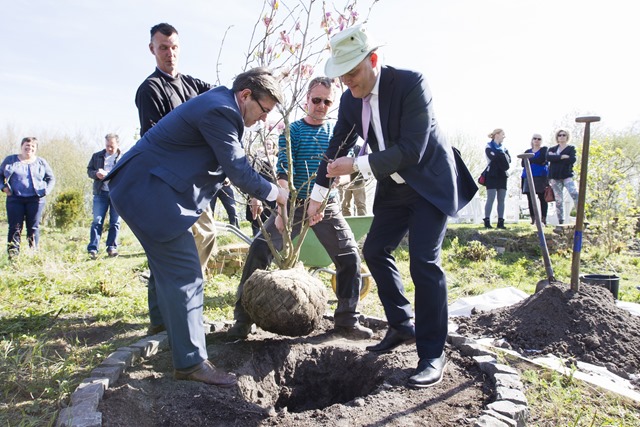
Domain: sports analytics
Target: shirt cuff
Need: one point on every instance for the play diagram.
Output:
(364, 167)
(319, 193)
(273, 194)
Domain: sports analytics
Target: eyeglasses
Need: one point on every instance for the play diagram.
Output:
(317, 101)
(562, 135)
(264, 110)
(537, 139)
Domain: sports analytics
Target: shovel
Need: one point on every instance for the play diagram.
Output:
(536, 211)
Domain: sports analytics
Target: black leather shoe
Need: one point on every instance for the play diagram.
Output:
(393, 339)
(429, 372)
(155, 329)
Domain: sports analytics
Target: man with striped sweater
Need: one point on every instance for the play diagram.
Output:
(310, 138)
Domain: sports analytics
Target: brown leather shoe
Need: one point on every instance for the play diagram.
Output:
(206, 373)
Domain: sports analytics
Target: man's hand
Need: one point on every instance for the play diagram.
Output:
(6, 191)
(314, 213)
(256, 207)
(283, 196)
(280, 223)
(101, 174)
(340, 166)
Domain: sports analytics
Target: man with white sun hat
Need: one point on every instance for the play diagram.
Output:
(421, 182)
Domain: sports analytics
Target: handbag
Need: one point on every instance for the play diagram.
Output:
(482, 179)
(548, 194)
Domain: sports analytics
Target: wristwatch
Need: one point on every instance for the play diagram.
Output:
(355, 167)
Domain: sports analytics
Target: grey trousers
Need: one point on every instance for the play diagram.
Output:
(179, 290)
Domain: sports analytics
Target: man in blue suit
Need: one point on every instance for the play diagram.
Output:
(162, 185)
(421, 181)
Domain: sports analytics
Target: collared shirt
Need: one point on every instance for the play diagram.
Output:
(363, 161)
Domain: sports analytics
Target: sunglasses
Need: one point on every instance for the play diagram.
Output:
(537, 139)
(562, 134)
(317, 101)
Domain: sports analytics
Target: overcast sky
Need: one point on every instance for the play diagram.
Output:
(73, 66)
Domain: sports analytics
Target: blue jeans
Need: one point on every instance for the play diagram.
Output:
(102, 203)
(22, 210)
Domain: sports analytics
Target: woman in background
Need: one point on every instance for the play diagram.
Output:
(539, 172)
(561, 159)
(26, 180)
(498, 160)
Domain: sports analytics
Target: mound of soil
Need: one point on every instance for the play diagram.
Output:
(585, 325)
(317, 380)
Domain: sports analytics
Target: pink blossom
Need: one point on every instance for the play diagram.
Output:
(267, 21)
(284, 37)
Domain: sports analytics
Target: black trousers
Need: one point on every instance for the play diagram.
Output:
(398, 209)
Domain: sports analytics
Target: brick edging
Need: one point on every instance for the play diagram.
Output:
(509, 409)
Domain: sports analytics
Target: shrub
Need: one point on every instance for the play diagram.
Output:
(472, 251)
(67, 209)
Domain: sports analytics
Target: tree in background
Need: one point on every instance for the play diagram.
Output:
(611, 203)
(292, 39)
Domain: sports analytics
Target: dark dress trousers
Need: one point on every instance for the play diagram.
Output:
(162, 185)
(438, 185)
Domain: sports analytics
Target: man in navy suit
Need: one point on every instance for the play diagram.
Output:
(421, 181)
(163, 184)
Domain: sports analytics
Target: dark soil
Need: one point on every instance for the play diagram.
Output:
(316, 380)
(586, 326)
(324, 380)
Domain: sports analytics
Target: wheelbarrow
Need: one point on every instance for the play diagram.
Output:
(315, 257)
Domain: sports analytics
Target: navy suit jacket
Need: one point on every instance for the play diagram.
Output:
(415, 147)
(163, 184)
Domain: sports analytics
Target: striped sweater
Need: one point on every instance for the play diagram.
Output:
(308, 144)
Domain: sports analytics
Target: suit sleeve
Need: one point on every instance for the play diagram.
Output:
(220, 128)
(343, 139)
(407, 148)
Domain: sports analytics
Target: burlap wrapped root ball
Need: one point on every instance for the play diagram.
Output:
(286, 302)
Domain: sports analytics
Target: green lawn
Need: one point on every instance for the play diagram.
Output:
(61, 313)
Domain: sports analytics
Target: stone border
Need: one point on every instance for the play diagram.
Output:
(510, 409)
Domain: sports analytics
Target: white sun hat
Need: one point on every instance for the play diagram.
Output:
(348, 49)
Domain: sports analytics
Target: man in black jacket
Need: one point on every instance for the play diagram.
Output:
(161, 92)
(99, 166)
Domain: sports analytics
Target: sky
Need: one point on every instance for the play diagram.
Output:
(73, 66)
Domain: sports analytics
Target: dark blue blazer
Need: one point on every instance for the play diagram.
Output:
(415, 147)
(168, 178)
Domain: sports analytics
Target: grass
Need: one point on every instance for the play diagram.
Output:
(62, 313)
(558, 400)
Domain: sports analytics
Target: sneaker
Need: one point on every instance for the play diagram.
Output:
(112, 252)
(355, 332)
(93, 254)
(241, 330)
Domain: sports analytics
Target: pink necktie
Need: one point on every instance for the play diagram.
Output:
(366, 120)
